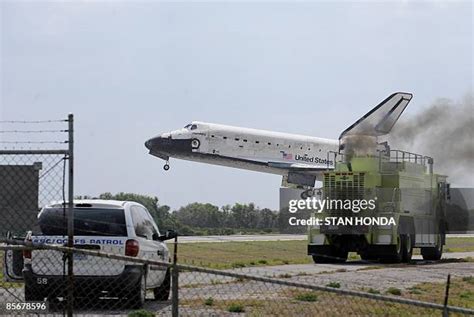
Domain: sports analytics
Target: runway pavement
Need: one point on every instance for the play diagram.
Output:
(266, 237)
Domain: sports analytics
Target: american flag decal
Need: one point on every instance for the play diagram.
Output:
(287, 156)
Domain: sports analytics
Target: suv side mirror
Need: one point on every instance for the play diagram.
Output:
(169, 234)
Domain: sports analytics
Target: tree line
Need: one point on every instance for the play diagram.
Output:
(208, 219)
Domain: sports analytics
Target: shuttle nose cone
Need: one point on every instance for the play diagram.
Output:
(159, 146)
(148, 144)
(164, 145)
(160, 143)
(154, 143)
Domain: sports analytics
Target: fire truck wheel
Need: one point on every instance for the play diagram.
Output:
(369, 256)
(433, 253)
(407, 245)
(335, 255)
(394, 253)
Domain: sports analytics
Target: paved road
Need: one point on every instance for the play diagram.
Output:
(266, 237)
(350, 266)
(242, 238)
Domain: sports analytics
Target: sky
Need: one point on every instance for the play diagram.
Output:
(131, 70)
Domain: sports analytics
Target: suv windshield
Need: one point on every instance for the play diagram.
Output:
(87, 222)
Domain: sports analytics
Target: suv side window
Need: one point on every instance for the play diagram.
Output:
(148, 221)
(142, 223)
(151, 221)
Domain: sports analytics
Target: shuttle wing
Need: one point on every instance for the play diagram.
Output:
(380, 120)
(297, 167)
(290, 166)
(300, 173)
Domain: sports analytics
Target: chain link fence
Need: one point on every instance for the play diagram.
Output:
(112, 284)
(105, 272)
(35, 170)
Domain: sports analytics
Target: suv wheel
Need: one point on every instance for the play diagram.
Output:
(138, 294)
(33, 294)
(163, 291)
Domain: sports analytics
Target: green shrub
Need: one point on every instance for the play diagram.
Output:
(262, 261)
(373, 291)
(238, 265)
(469, 279)
(415, 290)
(236, 308)
(307, 297)
(141, 313)
(466, 295)
(209, 301)
(334, 285)
(394, 291)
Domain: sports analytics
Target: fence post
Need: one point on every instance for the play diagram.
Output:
(70, 218)
(446, 296)
(174, 281)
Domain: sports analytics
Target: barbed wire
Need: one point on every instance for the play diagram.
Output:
(32, 131)
(33, 121)
(33, 142)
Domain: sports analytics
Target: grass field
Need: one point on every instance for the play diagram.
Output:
(461, 292)
(459, 245)
(225, 255)
(298, 302)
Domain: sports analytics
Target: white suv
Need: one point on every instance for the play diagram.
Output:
(119, 227)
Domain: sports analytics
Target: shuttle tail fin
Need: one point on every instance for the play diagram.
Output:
(381, 119)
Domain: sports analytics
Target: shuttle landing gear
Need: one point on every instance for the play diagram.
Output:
(311, 192)
(166, 166)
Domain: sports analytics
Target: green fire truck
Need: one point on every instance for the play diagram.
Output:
(404, 188)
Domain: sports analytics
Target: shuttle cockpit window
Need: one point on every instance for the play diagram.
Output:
(191, 126)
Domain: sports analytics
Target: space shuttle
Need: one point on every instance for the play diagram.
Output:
(300, 159)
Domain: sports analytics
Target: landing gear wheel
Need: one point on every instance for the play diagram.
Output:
(433, 253)
(166, 166)
(307, 194)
